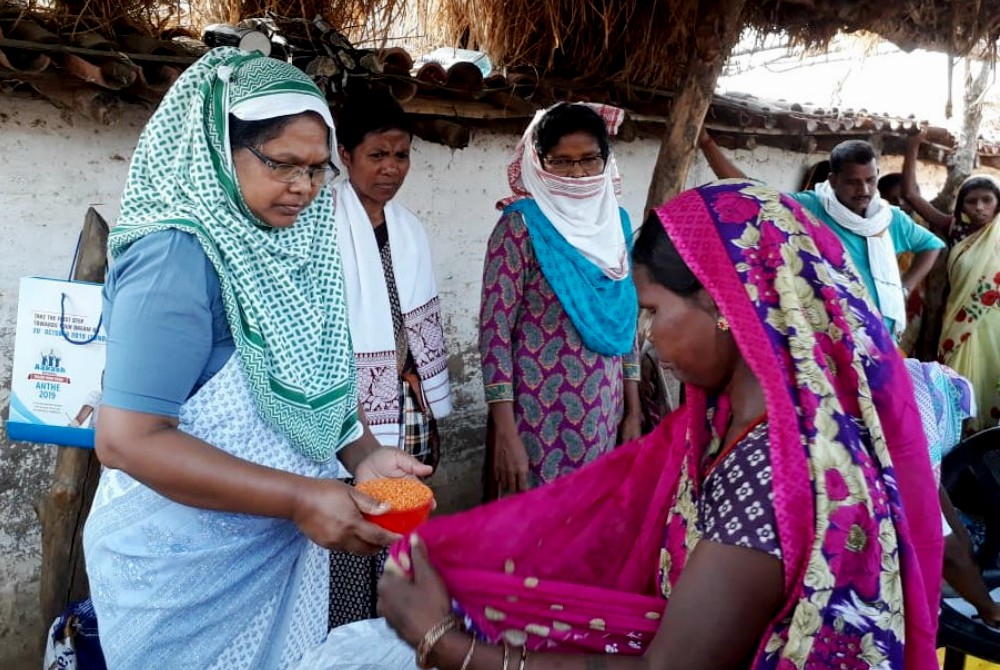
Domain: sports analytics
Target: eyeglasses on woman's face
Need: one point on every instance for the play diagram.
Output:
(567, 167)
(289, 174)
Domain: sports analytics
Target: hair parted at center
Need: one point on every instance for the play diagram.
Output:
(568, 118)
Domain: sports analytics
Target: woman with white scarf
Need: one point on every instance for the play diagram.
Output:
(395, 316)
(559, 309)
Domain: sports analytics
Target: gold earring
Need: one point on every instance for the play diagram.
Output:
(722, 324)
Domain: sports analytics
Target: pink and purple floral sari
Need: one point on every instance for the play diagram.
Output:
(581, 565)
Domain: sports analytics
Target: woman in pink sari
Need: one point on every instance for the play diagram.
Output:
(784, 518)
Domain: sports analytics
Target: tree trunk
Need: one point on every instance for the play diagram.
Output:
(718, 31)
(63, 511)
(960, 166)
(963, 161)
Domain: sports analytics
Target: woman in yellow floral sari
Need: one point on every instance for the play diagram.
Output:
(970, 337)
(969, 328)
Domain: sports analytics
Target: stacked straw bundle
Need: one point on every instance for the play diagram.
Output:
(649, 42)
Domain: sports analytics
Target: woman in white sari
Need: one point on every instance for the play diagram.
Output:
(229, 392)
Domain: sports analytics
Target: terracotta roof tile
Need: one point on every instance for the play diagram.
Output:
(105, 70)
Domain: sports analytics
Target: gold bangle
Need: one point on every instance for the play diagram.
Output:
(468, 654)
(431, 638)
(524, 658)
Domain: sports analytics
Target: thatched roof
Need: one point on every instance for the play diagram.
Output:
(92, 56)
(154, 18)
(956, 26)
(638, 42)
(649, 42)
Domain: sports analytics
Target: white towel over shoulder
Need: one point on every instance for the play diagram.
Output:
(371, 315)
(874, 227)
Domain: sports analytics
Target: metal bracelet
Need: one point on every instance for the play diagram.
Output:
(431, 638)
(468, 655)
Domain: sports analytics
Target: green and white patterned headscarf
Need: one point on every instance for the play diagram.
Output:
(283, 289)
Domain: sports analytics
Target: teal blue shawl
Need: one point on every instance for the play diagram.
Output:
(604, 310)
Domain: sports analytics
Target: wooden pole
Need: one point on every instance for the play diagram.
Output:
(63, 511)
(718, 31)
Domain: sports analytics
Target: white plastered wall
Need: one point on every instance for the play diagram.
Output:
(52, 170)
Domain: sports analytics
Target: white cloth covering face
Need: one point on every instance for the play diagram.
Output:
(585, 209)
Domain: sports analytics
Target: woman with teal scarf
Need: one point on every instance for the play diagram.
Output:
(229, 403)
(559, 309)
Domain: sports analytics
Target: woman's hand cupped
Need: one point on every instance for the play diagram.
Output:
(387, 462)
(328, 512)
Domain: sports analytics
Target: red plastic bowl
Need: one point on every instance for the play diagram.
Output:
(399, 493)
(401, 522)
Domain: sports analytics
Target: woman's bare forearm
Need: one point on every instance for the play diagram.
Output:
(191, 471)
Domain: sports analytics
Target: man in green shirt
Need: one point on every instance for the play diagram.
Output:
(872, 231)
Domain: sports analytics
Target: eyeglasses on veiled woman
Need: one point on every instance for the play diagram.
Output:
(559, 165)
